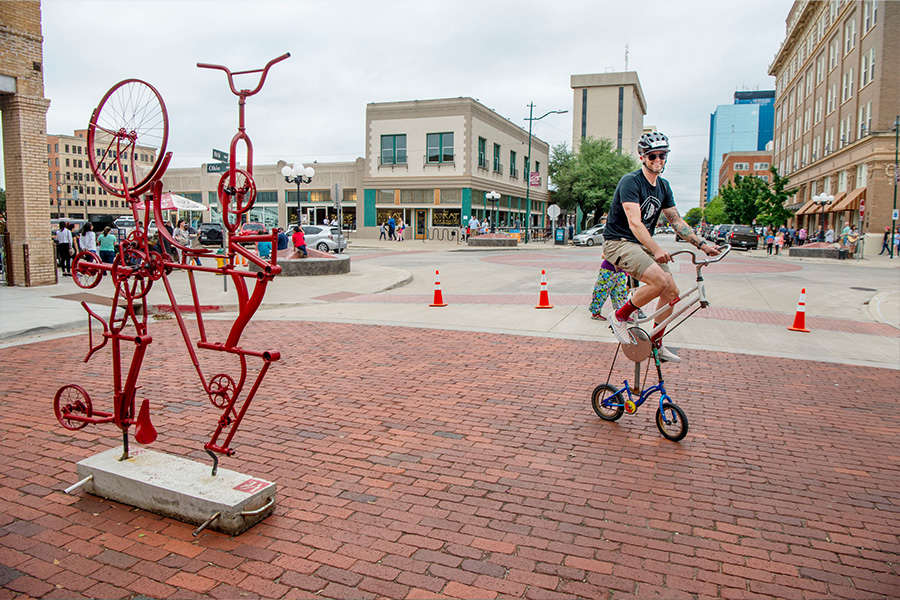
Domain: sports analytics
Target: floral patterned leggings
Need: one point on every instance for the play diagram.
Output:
(612, 284)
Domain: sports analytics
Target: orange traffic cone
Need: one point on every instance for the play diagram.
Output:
(544, 301)
(438, 295)
(800, 317)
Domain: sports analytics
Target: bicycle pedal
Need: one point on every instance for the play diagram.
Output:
(630, 407)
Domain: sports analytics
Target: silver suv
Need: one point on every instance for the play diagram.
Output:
(324, 238)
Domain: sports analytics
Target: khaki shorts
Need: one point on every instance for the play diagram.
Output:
(632, 258)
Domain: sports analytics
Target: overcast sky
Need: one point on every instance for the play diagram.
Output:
(690, 57)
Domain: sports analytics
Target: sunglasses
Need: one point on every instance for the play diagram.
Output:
(657, 155)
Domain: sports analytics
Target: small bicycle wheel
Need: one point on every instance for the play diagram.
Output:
(127, 137)
(603, 399)
(72, 400)
(86, 271)
(241, 195)
(671, 422)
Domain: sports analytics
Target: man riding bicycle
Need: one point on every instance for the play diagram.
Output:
(628, 238)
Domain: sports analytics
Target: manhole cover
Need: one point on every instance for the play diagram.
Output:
(863, 289)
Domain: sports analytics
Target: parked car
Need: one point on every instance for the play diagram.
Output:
(589, 237)
(324, 239)
(251, 228)
(742, 236)
(211, 234)
(719, 232)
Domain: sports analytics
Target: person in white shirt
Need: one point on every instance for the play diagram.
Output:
(64, 249)
(88, 241)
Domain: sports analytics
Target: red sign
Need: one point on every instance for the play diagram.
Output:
(862, 207)
(535, 179)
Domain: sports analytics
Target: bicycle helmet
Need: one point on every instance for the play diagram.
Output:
(652, 141)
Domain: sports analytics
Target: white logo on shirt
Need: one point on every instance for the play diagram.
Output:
(650, 207)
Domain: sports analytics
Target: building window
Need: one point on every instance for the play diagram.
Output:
(833, 53)
(862, 175)
(830, 100)
(393, 149)
(820, 68)
(761, 166)
(842, 181)
(741, 166)
(847, 89)
(870, 8)
(513, 172)
(498, 168)
(850, 35)
(482, 153)
(439, 147)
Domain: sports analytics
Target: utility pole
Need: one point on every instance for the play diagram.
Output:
(896, 180)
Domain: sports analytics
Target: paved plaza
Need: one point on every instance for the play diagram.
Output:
(453, 453)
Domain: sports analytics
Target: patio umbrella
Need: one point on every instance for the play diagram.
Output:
(172, 201)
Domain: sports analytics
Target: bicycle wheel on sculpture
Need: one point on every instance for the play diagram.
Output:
(72, 400)
(608, 402)
(241, 195)
(127, 137)
(86, 270)
(671, 422)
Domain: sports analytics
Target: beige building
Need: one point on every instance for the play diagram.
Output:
(428, 162)
(608, 105)
(837, 96)
(26, 250)
(72, 188)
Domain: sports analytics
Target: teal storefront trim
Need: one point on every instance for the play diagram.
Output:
(370, 214)
(578, 216)
(466, 211)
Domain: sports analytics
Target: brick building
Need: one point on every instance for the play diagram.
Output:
(29, 251)
(745, 164)
(837, 96)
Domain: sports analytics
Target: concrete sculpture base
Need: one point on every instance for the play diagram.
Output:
(317, 263)
(493, 240)
(179, 488)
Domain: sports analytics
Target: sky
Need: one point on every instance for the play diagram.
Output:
(690, 57)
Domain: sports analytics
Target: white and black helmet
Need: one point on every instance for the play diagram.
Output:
(652, 141)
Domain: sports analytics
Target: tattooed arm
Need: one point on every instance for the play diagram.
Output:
(684, 231)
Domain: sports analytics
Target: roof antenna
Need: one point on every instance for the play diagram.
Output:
(626, 57)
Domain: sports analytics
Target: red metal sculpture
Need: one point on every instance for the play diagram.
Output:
(132, 119)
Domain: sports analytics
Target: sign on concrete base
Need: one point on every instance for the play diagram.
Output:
(179, 488)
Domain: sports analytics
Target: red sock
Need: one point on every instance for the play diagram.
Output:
(656, 340)
(623, 313)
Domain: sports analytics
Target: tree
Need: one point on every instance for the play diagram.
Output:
(742, 198)
(693, 216)
(588, 179)
(2, 200)
(714, 214)
(771, 206)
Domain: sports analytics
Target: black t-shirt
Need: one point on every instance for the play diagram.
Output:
(634, 187)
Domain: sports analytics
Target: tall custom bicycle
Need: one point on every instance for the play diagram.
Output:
(129, 124)
(611, 402)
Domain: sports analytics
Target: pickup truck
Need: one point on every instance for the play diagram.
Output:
(739, 236)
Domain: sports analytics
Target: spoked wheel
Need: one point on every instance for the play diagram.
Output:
(72, 400)
(86, 271)
(221, 390)
(602, 399)
(322, 247)
(241, 195)
(671, 422)
(127, 137)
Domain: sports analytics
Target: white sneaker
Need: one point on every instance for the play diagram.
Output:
(620, 330)
(666, 355)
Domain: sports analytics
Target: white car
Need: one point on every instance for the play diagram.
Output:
(325, 238)
(589, 237)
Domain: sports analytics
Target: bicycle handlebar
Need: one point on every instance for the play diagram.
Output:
(262, 78)
(703, 262)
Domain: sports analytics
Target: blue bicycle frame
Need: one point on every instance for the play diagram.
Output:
(630, 406)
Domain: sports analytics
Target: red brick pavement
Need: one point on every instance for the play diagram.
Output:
(427, 464)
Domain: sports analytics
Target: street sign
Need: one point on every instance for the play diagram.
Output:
(219, 155)
(895, 215)
(862, 208)
(336, 193)
(216, 167)
(535, 179)
(553, 211)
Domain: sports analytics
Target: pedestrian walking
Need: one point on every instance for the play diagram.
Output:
(106, 243)
(611, 283)
(65, 249)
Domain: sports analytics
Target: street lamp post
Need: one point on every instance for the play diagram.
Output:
(823, 200)
(896, 181)
(493, 197)
(531, 121)
(58, 204)
(298, 174)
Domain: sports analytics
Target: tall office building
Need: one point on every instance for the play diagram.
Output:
(608, 105)
(746, 125)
